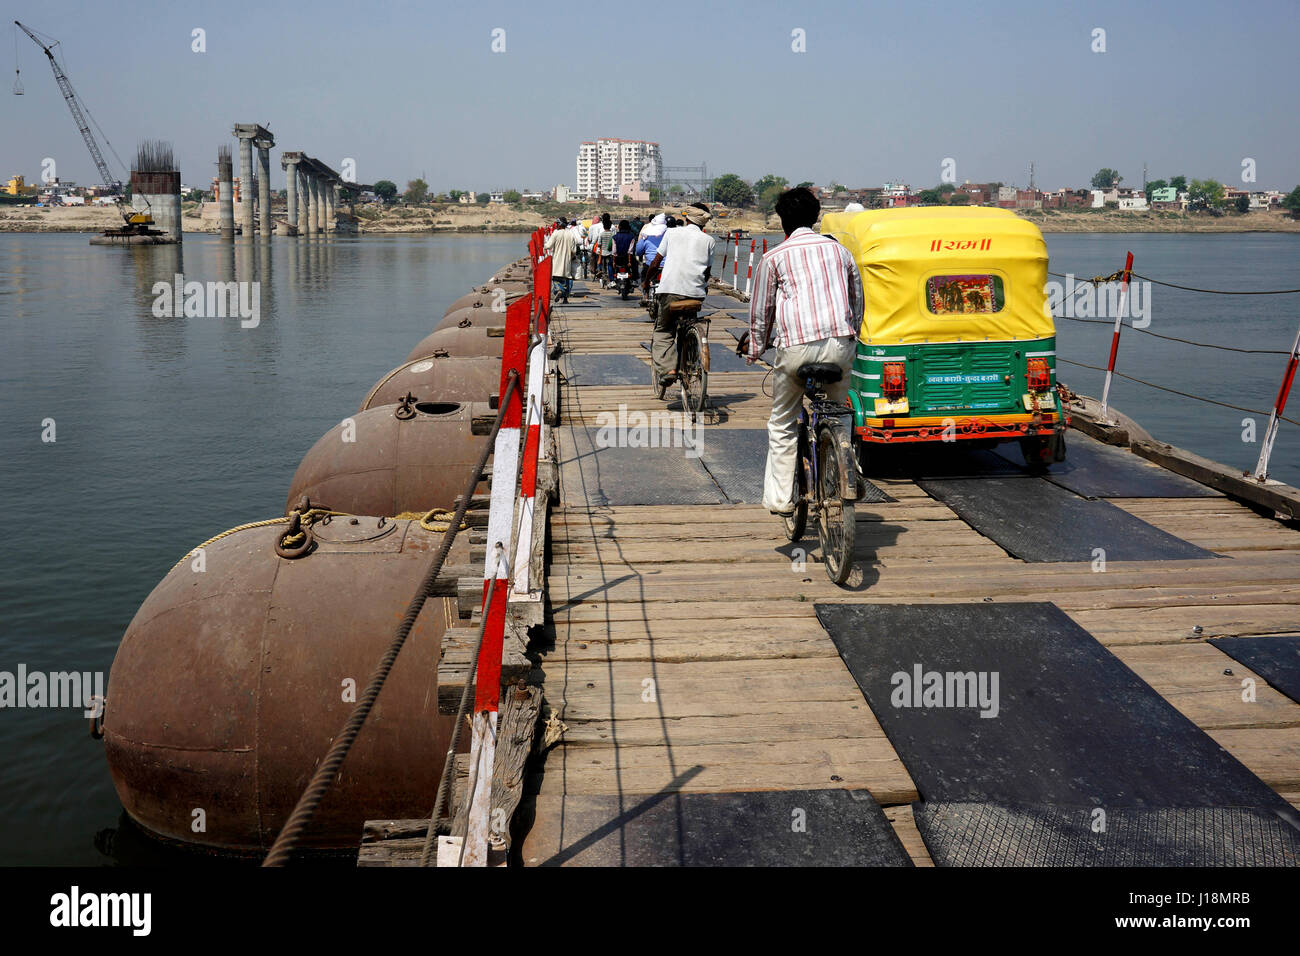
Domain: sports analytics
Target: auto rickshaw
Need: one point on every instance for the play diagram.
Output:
(957, 342)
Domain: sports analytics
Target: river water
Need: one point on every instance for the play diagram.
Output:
(169, 430)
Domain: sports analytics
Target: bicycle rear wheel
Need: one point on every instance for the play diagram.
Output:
(797, 523)
(694, 377)
(836, 527)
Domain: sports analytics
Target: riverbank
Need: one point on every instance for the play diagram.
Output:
(404, 220)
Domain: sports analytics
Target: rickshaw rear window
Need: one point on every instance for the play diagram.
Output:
(965, 294)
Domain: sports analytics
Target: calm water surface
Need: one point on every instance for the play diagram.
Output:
(171, 430)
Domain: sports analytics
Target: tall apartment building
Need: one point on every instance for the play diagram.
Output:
(605, 166)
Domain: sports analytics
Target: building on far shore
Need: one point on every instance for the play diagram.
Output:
(1266, 200)
(560, 193)
(633, 191)
(604, 165)
(17, 187)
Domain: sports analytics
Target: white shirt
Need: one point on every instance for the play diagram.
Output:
(687, 252)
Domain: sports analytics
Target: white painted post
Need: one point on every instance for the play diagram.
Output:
(534, 438)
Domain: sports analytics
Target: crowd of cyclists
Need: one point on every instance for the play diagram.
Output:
(601, 249)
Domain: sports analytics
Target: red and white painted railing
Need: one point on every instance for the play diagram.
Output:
(1279, 406)
(1114, 341)
(511, 540)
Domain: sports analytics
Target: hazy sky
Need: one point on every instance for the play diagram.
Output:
(883, 91)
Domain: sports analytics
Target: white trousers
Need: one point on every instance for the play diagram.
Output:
(787, 398)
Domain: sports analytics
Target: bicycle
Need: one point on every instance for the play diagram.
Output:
(692, 371)
(825, 475)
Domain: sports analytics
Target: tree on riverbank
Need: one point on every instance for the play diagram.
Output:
(386, 190)
(1205, 193)
(730, 190)
(1292, 200)
(1106, 178)
(417, 191)
(768, 188)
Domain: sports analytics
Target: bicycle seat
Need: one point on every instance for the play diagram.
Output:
(684, 305)
(822, 373)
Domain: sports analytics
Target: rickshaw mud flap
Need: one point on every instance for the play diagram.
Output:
(1061, 724)
(1037, 521)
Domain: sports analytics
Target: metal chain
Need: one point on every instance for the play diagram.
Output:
(1163, 388)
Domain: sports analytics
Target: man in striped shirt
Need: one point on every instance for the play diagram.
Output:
(808, 304)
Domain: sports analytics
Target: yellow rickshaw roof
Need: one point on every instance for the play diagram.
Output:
(899, 250)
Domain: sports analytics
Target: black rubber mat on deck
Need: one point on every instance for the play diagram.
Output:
(1094, 469)
(987, 834)
(700, 466)
(662, 474)
(1075, 730)
(1038, 521)
(736, 458)
(767, 828)
(722, 359)
(1276, 658)
(606, 370)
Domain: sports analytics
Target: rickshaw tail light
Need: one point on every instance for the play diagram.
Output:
(894, 381)
(1038, 375)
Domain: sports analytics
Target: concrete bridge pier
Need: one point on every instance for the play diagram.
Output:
(264, 191)
(315, 206)
(290, 167)
(225, 194)
(250, 135)
(304, 200)
(245, 183)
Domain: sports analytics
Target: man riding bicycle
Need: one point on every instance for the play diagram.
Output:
(686, 255)
(807, 303)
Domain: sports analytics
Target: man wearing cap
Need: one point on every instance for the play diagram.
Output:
(686, 255)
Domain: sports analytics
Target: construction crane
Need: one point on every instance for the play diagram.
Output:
(138, 220)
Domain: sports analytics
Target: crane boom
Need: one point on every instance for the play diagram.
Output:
(70, 95)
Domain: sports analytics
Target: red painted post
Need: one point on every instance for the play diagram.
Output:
(542, 292)
(749, 267)
(1279, 407)
(1114, 341)
(496, 574)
